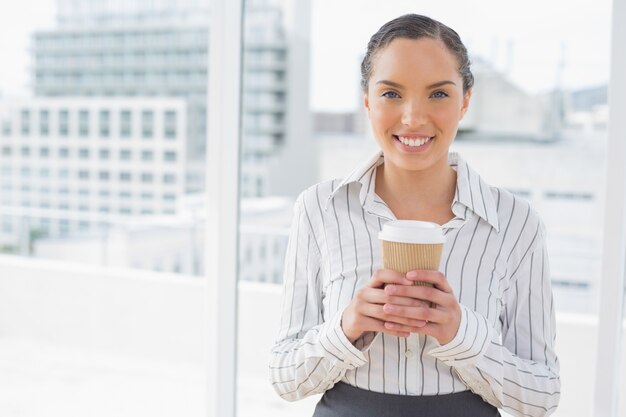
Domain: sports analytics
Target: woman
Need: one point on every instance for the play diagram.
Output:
(482, 338)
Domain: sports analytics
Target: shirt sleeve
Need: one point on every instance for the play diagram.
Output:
(311, 353)
(516, 369)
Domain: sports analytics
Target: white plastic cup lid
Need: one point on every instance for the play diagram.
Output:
(412, 231)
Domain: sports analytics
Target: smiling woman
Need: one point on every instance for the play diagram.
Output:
(482, 337)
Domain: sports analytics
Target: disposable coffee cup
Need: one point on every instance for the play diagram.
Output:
(408, 245)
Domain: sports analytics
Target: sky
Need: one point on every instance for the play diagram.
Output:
(525, 40)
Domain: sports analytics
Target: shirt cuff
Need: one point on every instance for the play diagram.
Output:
(469, 344)
(336, 344)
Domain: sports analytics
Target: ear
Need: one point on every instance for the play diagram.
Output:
(366, 102)
(466, 101)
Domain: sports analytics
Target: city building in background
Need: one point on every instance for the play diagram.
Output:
(68, 165)
(148, 48)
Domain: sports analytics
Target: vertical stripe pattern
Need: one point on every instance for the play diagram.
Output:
(494, 258)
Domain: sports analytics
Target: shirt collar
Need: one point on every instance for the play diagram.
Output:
(363, 175)
(472, 192)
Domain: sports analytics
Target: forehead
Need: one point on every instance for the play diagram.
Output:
(420, 60)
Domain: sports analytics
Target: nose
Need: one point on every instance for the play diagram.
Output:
(414, 113)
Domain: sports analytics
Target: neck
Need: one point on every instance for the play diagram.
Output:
(418, 195)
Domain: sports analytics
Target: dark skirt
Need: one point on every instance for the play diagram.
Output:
(344, 400)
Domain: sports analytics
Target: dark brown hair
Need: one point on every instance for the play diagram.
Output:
(414, 26)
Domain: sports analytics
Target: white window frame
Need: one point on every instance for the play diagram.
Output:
(610, 318)
(222, 189)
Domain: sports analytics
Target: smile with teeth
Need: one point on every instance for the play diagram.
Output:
(414, 142)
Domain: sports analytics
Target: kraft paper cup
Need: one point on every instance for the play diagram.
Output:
(408, 245)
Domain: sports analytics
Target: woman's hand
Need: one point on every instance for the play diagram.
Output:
(365, 313)
(440, 321)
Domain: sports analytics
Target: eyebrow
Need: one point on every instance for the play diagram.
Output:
(434, 85)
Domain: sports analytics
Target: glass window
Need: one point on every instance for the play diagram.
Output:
(105, 128)
(146, 177)
(83, 174)
(169, 156)
(83, 153)
(83, 123)
(169, 120)
(44, 122)
(64, 153)
(6, 128)
(169, 178)
(44, 152)
(125, 176)
(64, 123)
(25, 151)
(125, 155)
(147, 124)
(125, 123)
(104, 175)
(25, 122)
(104, 154)
(147, 155)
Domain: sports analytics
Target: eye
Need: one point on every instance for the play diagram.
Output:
(439, 94)
(390, 94)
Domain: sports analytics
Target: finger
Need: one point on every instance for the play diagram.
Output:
(413, 315)
(369, 324)
(382, 277)
(379, 296)
(391, 326)
(433, 277)
(430, 294)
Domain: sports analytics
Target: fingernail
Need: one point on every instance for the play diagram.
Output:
(411, 274)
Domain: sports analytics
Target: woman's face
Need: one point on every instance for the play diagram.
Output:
(415, 101)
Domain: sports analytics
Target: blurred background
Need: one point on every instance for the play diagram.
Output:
(103, 133)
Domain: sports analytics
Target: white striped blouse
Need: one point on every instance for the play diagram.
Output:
(495, 260)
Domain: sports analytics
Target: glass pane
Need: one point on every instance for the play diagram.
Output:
(101, 201)
(536, 126)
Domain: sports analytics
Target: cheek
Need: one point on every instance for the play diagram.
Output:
(446, 118)
(382, 118)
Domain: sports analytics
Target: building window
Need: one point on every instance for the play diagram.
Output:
(147, 196)
(125, 155)
(25, 122)
(147, 155)
(6, 151)
(104, 154)
(6, 128)
(64, 174)
(64, 153)
(146, 177)
(25, 152)
(104, 175)
(125, 123)
(83, 153)
(44, 122)
(125, 195)
(169, 121)
(83, 123)
(169, 197)
(104, 193)
(147, 124)
(83, 192)
(25, 171)
(104, 123)
(169, 156)
(125, 176)
(169, 178)
(64, 123)
(83, 174)
(44, 152)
